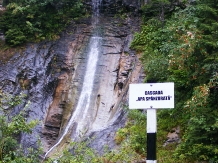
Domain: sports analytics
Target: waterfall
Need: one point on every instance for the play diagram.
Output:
(96, 6)
(80, 112)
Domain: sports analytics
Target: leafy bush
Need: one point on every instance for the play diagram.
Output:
(14, 37)
(35, 21)
(10, 128)
(79, 152)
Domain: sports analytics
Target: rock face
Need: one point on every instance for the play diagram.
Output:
(52, 75)
(112, 7)
(173, 137)
(63, 98)
(42, 72)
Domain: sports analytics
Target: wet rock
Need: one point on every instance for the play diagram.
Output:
(124, 73)
(105, 138)
(119, 72)
(113, 6)
(50, 133)
(39, 72)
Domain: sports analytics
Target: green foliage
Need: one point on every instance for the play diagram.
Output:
(134, 132)
(160, 9)
(121, 135)
(35, 21)
(80, 152)
(133, 136)
(14, 37)
(137, 130)
(184, 51)
(200, 140)
(10, 128)
(124, 154)
(156, 68)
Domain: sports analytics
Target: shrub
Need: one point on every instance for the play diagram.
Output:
(15, 37)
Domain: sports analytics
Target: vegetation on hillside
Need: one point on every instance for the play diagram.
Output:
(10, 129)
(185, 51)
(31, 21)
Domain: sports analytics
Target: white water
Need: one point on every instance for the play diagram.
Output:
(80, 113)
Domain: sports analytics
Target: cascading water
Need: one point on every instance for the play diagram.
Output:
(79, 115)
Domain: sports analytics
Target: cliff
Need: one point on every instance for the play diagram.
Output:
(51, 73)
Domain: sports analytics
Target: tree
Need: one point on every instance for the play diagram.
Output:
(38, 20)
(160, 9)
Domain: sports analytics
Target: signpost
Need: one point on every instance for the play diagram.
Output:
(151, 96)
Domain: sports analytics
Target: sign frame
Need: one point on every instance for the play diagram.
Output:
(151, 95)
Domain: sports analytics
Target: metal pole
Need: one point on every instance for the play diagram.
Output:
(151, 135)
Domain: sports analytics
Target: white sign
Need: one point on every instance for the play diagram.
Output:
(151, 95)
